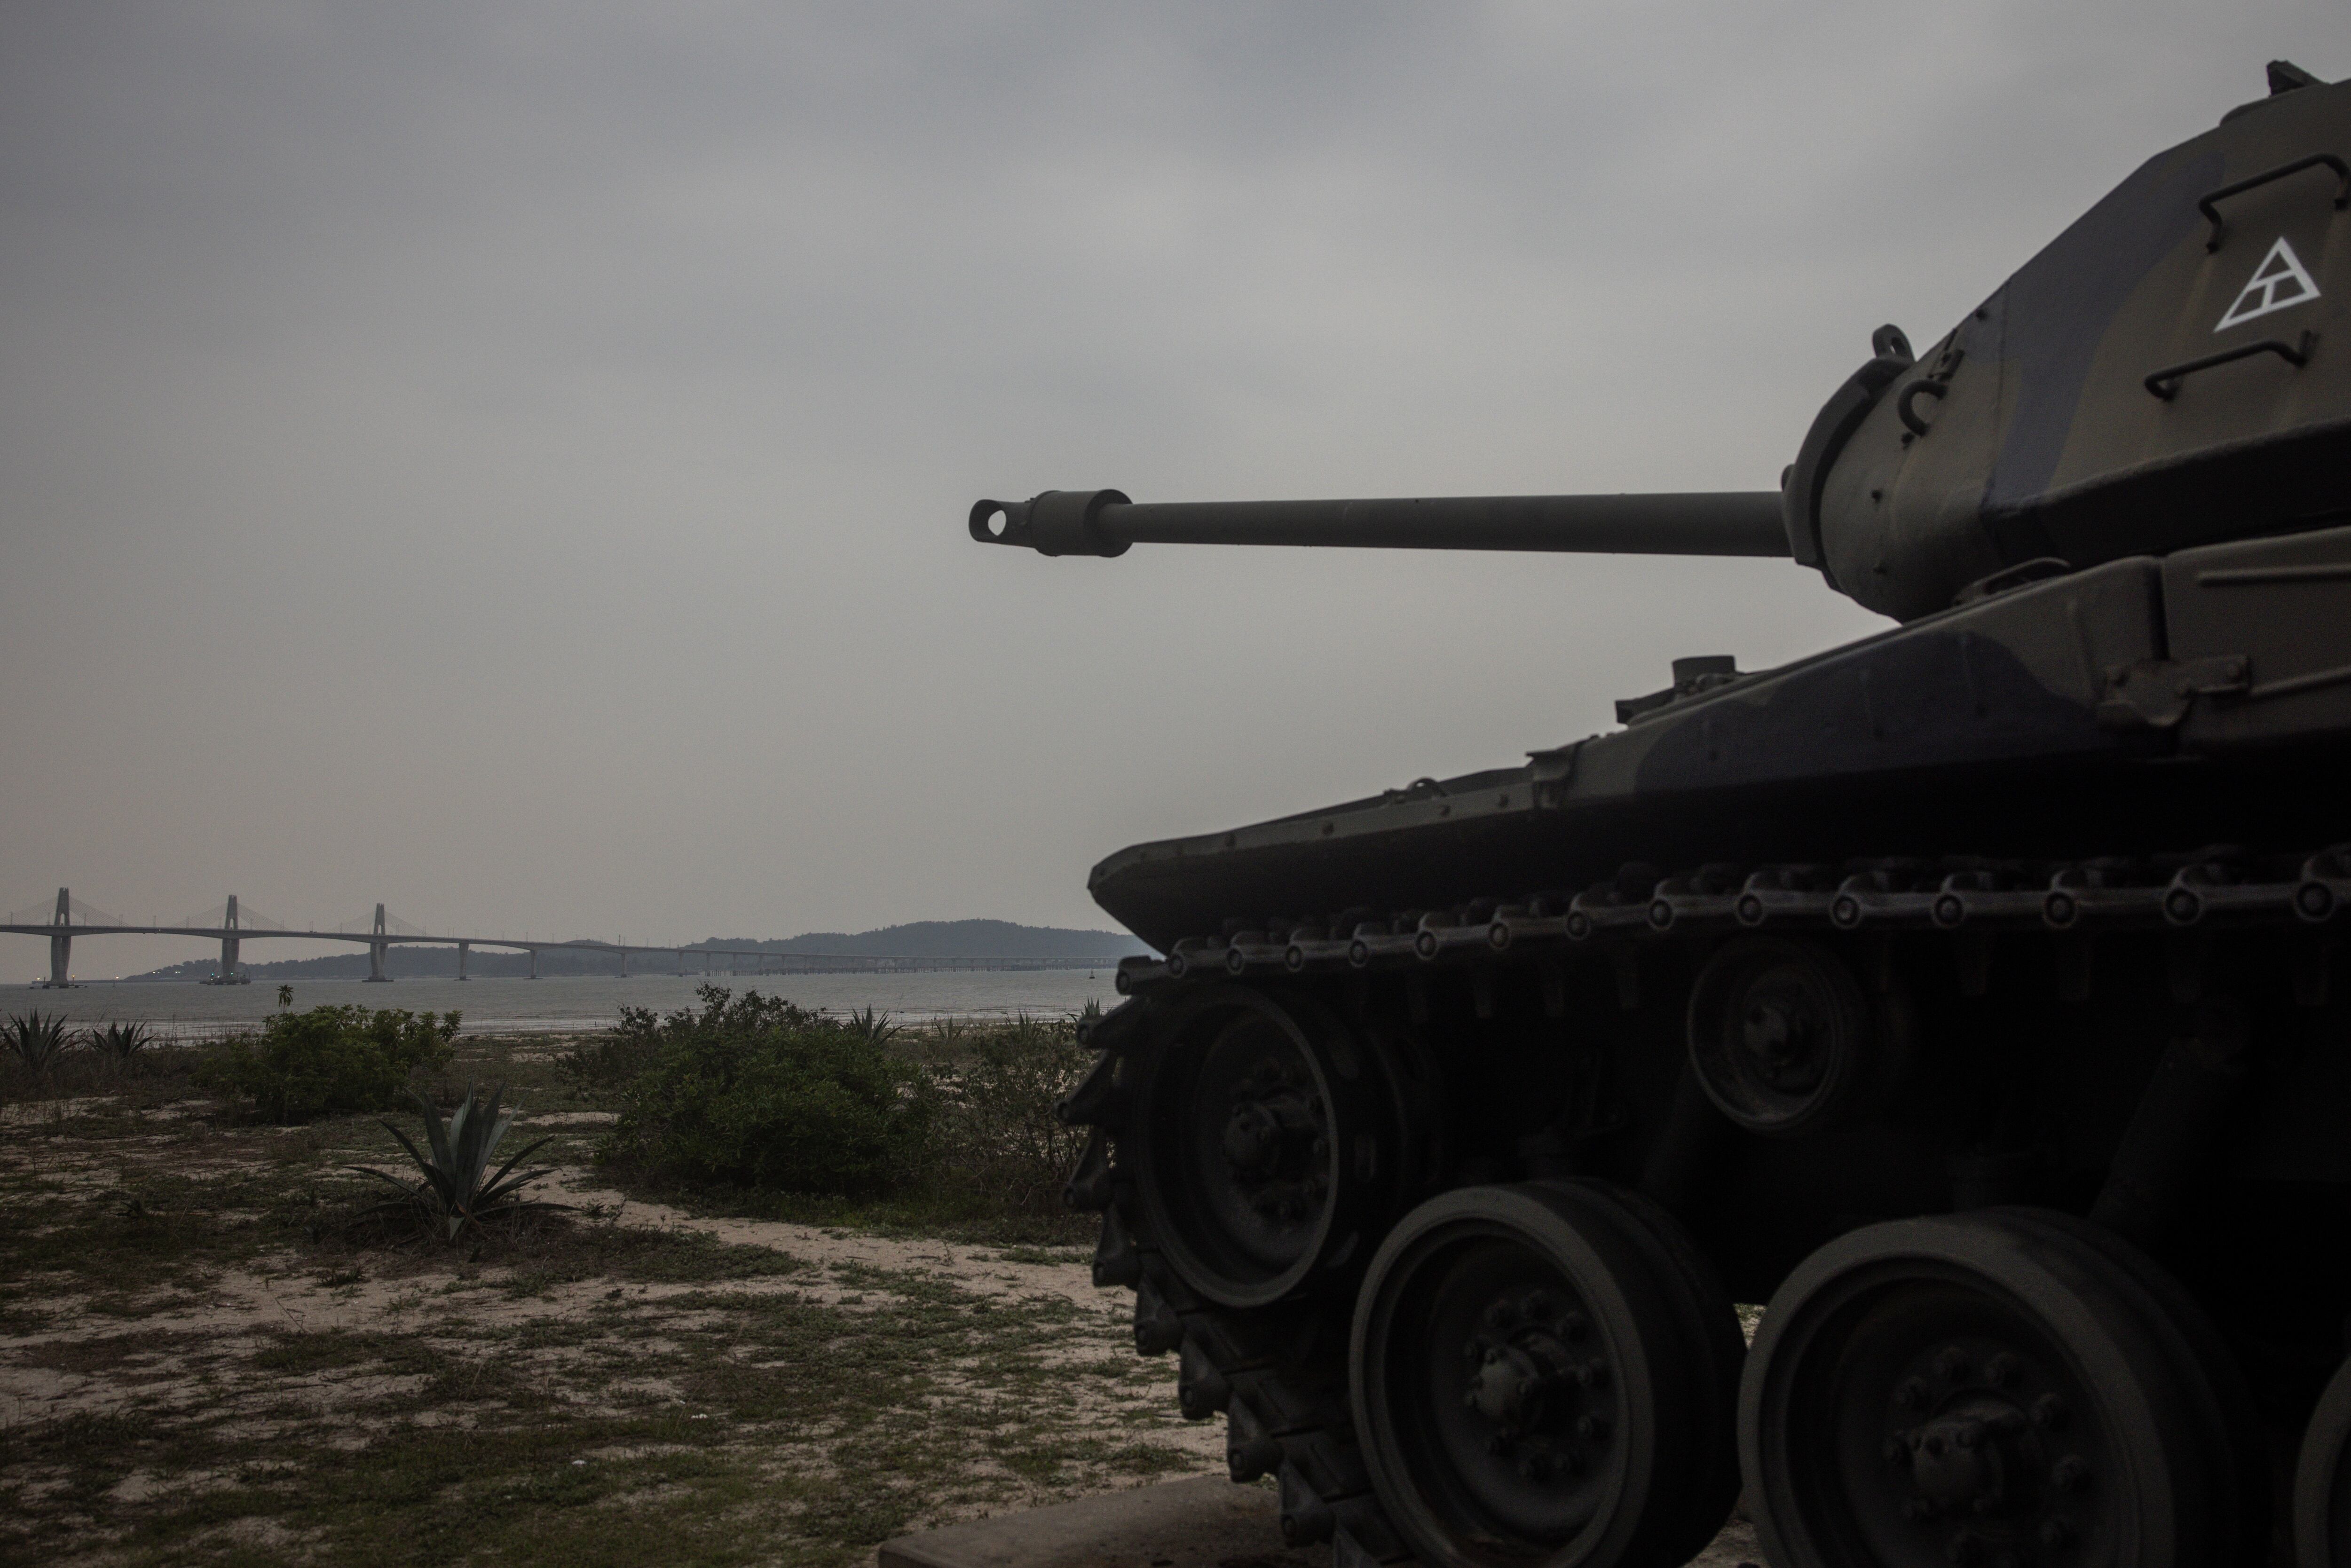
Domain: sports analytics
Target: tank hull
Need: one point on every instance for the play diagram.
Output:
(2042, 723)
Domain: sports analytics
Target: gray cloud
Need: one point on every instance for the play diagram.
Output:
(508, 462)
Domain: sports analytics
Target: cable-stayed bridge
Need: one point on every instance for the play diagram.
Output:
(67, 917)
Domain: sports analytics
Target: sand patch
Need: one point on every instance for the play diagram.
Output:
(33, 1113)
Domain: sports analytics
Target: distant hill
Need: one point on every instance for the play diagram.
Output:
(978, 941)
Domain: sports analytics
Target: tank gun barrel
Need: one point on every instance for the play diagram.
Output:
(1105, 523)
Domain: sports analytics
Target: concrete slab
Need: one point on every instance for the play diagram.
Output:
(1203, 1522)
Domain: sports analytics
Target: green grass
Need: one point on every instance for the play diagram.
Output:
(1046, 1254)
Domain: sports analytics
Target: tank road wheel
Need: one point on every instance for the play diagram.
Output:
(1783, 1039)
(1247, 1148)
(2322, 1482)
(2006, 1387)
(1546, 1373)
(1266, 1143)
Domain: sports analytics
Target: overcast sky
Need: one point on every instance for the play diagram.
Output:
(509, 461)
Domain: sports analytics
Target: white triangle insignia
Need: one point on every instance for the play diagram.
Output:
(2278, 282)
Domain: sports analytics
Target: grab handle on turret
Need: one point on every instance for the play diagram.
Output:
(1105, 523)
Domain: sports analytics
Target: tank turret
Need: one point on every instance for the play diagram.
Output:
(2168, 372)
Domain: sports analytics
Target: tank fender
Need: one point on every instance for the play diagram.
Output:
(2024, 673)
(2269, 621)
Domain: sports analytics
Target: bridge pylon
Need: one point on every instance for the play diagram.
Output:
(231, 972)
(61, 944)
(376, 947)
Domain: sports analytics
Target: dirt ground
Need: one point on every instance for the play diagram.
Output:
(202, 1362)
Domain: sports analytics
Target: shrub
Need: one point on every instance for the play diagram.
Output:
(38, 1041)
(871, 1027)
(610, 1061)
(330, 1060)
(998, 1087)
(120, 1042)
(755, 1092)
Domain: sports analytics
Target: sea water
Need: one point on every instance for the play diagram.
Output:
(574, 1004)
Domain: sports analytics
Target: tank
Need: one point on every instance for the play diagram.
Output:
(1969, 1001)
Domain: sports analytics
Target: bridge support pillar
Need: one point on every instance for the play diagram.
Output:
(61, 944)
(376, 947)
(465, 951)
(625, 962)
(534, 963)
(681, 962)
(228, 974)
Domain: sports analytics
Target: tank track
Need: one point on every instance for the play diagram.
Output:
(2219, 885)
(1278, 1375)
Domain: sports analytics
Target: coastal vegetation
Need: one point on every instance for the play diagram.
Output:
(997, 1138)
(329, 1060)
(459, 1192)
(214, 1349)
(750, 1097)
(752, 1091)
(45, 1049)
(38, 1041)
(120, 1043)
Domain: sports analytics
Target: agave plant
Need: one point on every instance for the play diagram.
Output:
(119, 1042)
(872, 1027)
(454, 1192)
(39, 1040)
